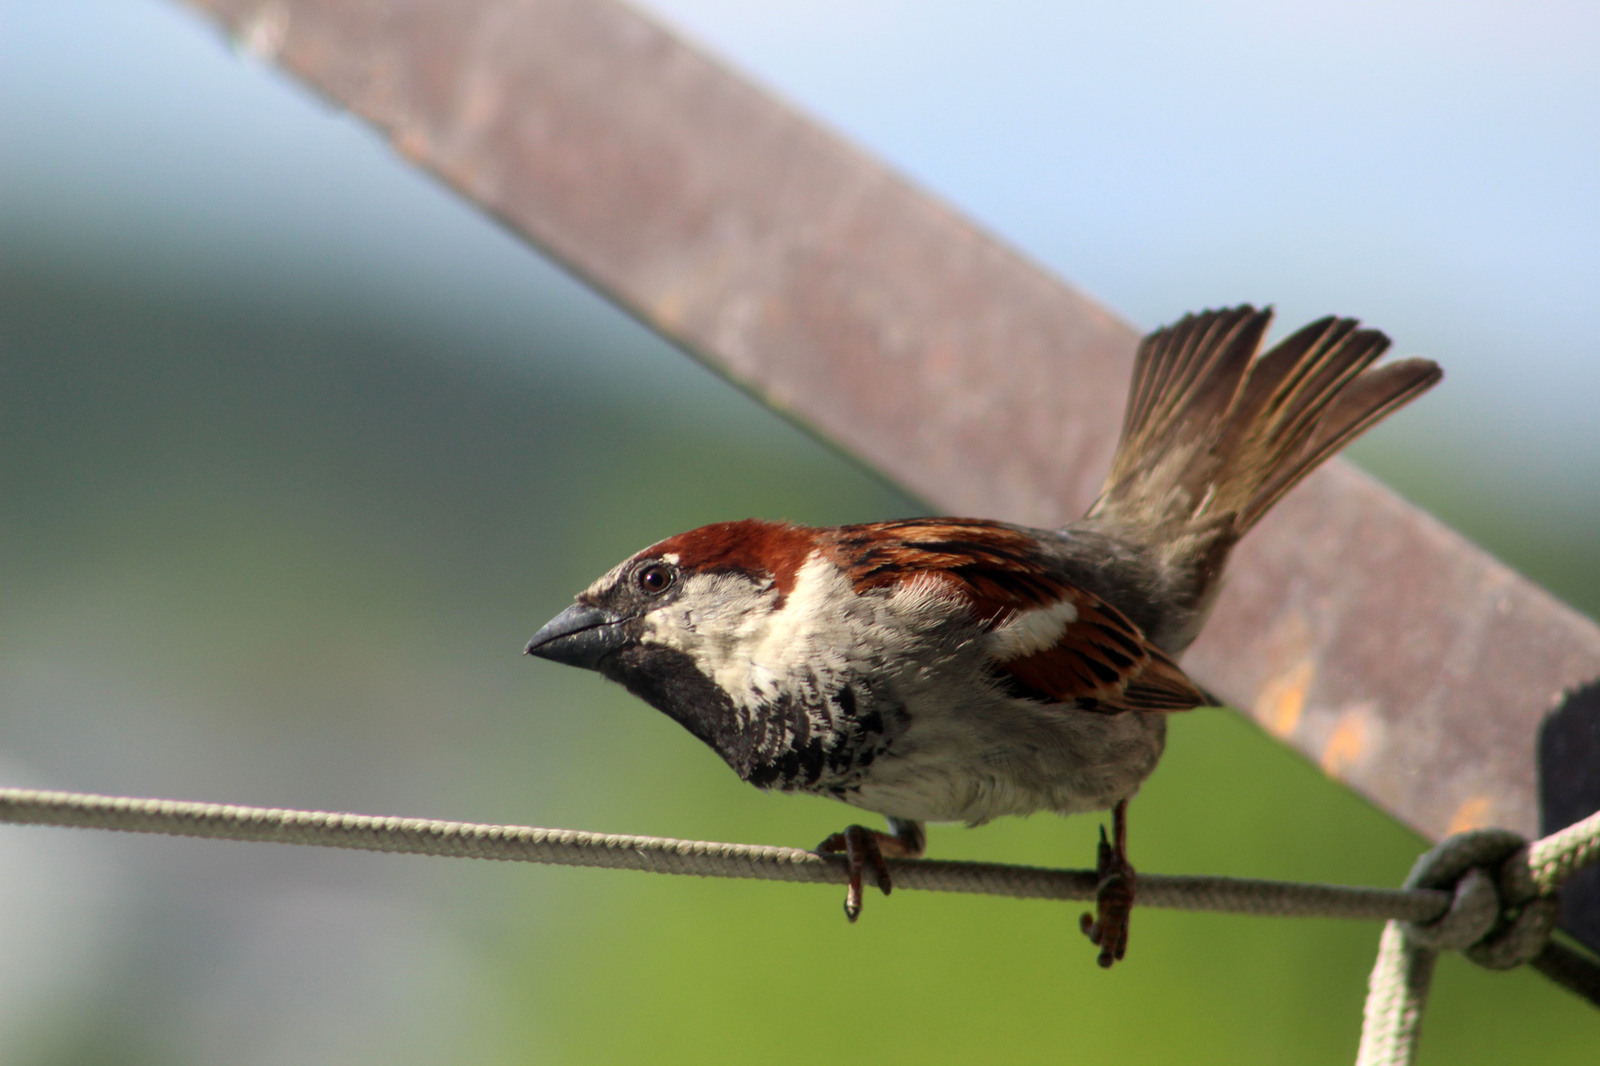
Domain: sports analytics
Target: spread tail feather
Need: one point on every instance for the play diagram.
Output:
(1214, 436)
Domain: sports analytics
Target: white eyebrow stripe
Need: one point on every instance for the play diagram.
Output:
(1032, 631)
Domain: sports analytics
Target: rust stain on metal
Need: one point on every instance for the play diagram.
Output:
(1472, 814)
(1282, 700)
(1350, 743)
(667, 312)
(809, 272)
(412, 143)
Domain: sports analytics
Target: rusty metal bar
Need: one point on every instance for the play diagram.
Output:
(1404, 661)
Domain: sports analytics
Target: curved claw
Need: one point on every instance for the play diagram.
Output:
(865, 849)
(1107, 929)
(861, 852)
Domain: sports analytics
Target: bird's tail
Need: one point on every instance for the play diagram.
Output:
(1214, 435)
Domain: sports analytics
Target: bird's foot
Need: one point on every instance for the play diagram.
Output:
(867, 850)
(1107, 929)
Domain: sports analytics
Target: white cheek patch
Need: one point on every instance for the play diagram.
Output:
(755, 646)
(717, 620)
(1032, 631)
(814, 603)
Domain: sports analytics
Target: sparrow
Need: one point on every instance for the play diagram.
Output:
(961, 669)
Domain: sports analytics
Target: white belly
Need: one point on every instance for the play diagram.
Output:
(1017, 759)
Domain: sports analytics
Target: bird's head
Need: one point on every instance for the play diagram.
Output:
(676, 622)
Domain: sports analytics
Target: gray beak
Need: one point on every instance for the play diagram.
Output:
(579, 636)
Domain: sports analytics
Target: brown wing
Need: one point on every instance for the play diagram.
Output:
(1051, 640)
(1100, 661)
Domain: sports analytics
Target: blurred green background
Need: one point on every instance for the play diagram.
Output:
(296, 451)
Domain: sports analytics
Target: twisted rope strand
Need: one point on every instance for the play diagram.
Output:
(1544, 865)
(1397, 992)
(1506, 907)
(568, 847)
(1549, 862)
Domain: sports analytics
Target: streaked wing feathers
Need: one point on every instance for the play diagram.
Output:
(1051, 640)
(1102, 662)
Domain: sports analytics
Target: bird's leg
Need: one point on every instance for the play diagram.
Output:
(867, 849)
(1108, 928)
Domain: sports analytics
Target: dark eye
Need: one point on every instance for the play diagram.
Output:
(655, 578)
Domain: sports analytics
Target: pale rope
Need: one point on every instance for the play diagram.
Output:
(1399, 982)
(1555, 857)
(1397, 991)
(568, 847)
(1505, 907)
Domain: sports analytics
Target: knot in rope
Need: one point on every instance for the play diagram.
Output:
(1497, 918)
